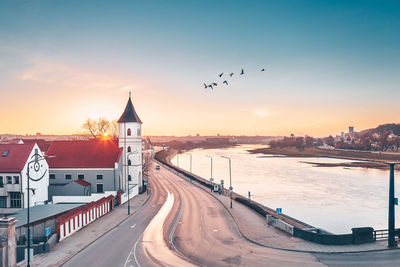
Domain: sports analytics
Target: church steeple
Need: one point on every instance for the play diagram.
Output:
(129, 114)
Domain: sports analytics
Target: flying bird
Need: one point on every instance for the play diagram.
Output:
(225, 82)
(205, 86)
(221, 75)
(214, 84)
(241, 73)
(262, 69)
(231, 74)
(211, 86)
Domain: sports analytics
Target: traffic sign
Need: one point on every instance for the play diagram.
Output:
(47, 231)
(278, 210)
(222, 182)
(211, 179)
(230, 188)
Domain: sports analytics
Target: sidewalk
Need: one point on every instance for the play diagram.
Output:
(254, 227)
(72, 245)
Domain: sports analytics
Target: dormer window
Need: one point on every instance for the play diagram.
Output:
(129, 132)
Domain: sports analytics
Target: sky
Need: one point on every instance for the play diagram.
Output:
(329, 65)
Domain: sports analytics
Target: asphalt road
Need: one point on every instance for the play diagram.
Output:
(117, 246)
(184, 225)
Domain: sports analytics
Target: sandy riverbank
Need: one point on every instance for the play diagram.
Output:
(373, 160)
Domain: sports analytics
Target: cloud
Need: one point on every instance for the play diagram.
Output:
(62, 75)
(262, 113)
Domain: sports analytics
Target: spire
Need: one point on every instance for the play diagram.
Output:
(129, 114)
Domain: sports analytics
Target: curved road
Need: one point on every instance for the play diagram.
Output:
(190, 227)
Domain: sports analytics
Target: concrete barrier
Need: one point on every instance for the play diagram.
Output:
(50, 243)
(271, 220)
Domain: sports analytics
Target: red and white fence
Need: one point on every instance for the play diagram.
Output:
(75, 219)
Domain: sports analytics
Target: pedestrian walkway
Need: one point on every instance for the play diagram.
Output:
(72, 245)
(254, 227)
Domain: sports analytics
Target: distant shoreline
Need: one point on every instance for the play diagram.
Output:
(362, 159)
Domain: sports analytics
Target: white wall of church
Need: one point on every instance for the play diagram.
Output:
(132, 145)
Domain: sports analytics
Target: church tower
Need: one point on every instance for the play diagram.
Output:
(130, 139)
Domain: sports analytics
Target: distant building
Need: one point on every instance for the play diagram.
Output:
(14, 159)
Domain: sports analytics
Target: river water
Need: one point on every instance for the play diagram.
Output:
(335, 199)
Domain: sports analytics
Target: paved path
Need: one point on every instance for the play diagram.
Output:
(72, 245)
(254, 227)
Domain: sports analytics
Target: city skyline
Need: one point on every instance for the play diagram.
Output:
(328, 66)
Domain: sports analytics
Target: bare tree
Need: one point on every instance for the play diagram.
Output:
(97, 128)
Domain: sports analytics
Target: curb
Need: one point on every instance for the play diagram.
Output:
(109, 230)
(271, 247)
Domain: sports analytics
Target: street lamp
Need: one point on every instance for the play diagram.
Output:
(38, 169)
(211, 179)
(230, 176)
(392, 202)
(190, 161)
(127, 180)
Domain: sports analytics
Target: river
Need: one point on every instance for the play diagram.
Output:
(335, 199)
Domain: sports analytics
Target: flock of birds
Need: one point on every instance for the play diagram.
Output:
(212, 85)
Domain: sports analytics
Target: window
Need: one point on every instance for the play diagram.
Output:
(129, 149)
(9, 180)
(138, 132)
(129, 178)
(99, 188)
(15, 200)
(129, 131)
(129, 162)
(81, 176)
(52, 176)
(1, 181)
(99, 176)
(16, 179)
(68, 176)
(3, 202)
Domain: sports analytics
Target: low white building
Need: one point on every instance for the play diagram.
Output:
(14, 163)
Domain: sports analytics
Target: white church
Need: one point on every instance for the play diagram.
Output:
(83, 168)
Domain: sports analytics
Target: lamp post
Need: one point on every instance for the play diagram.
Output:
(230, 176)
(127, 180)
(211, 179)
(391, 238)
(38, 169)
(190, 154)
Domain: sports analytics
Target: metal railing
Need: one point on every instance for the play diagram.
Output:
(384, 234)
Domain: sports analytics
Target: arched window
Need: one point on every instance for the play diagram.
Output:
(129, 149)
(129, 178)
(129, 162)
(129, 131)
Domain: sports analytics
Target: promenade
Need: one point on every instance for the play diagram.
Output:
(253, 227)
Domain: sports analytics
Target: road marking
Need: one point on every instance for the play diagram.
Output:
(133, 226)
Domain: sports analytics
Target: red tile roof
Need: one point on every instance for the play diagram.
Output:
(82, 182)
(16, 158)
(83, 154)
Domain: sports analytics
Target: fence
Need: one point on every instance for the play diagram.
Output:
(75, 219)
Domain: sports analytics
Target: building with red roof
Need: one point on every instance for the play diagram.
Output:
(14, 162)
(97, 166)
